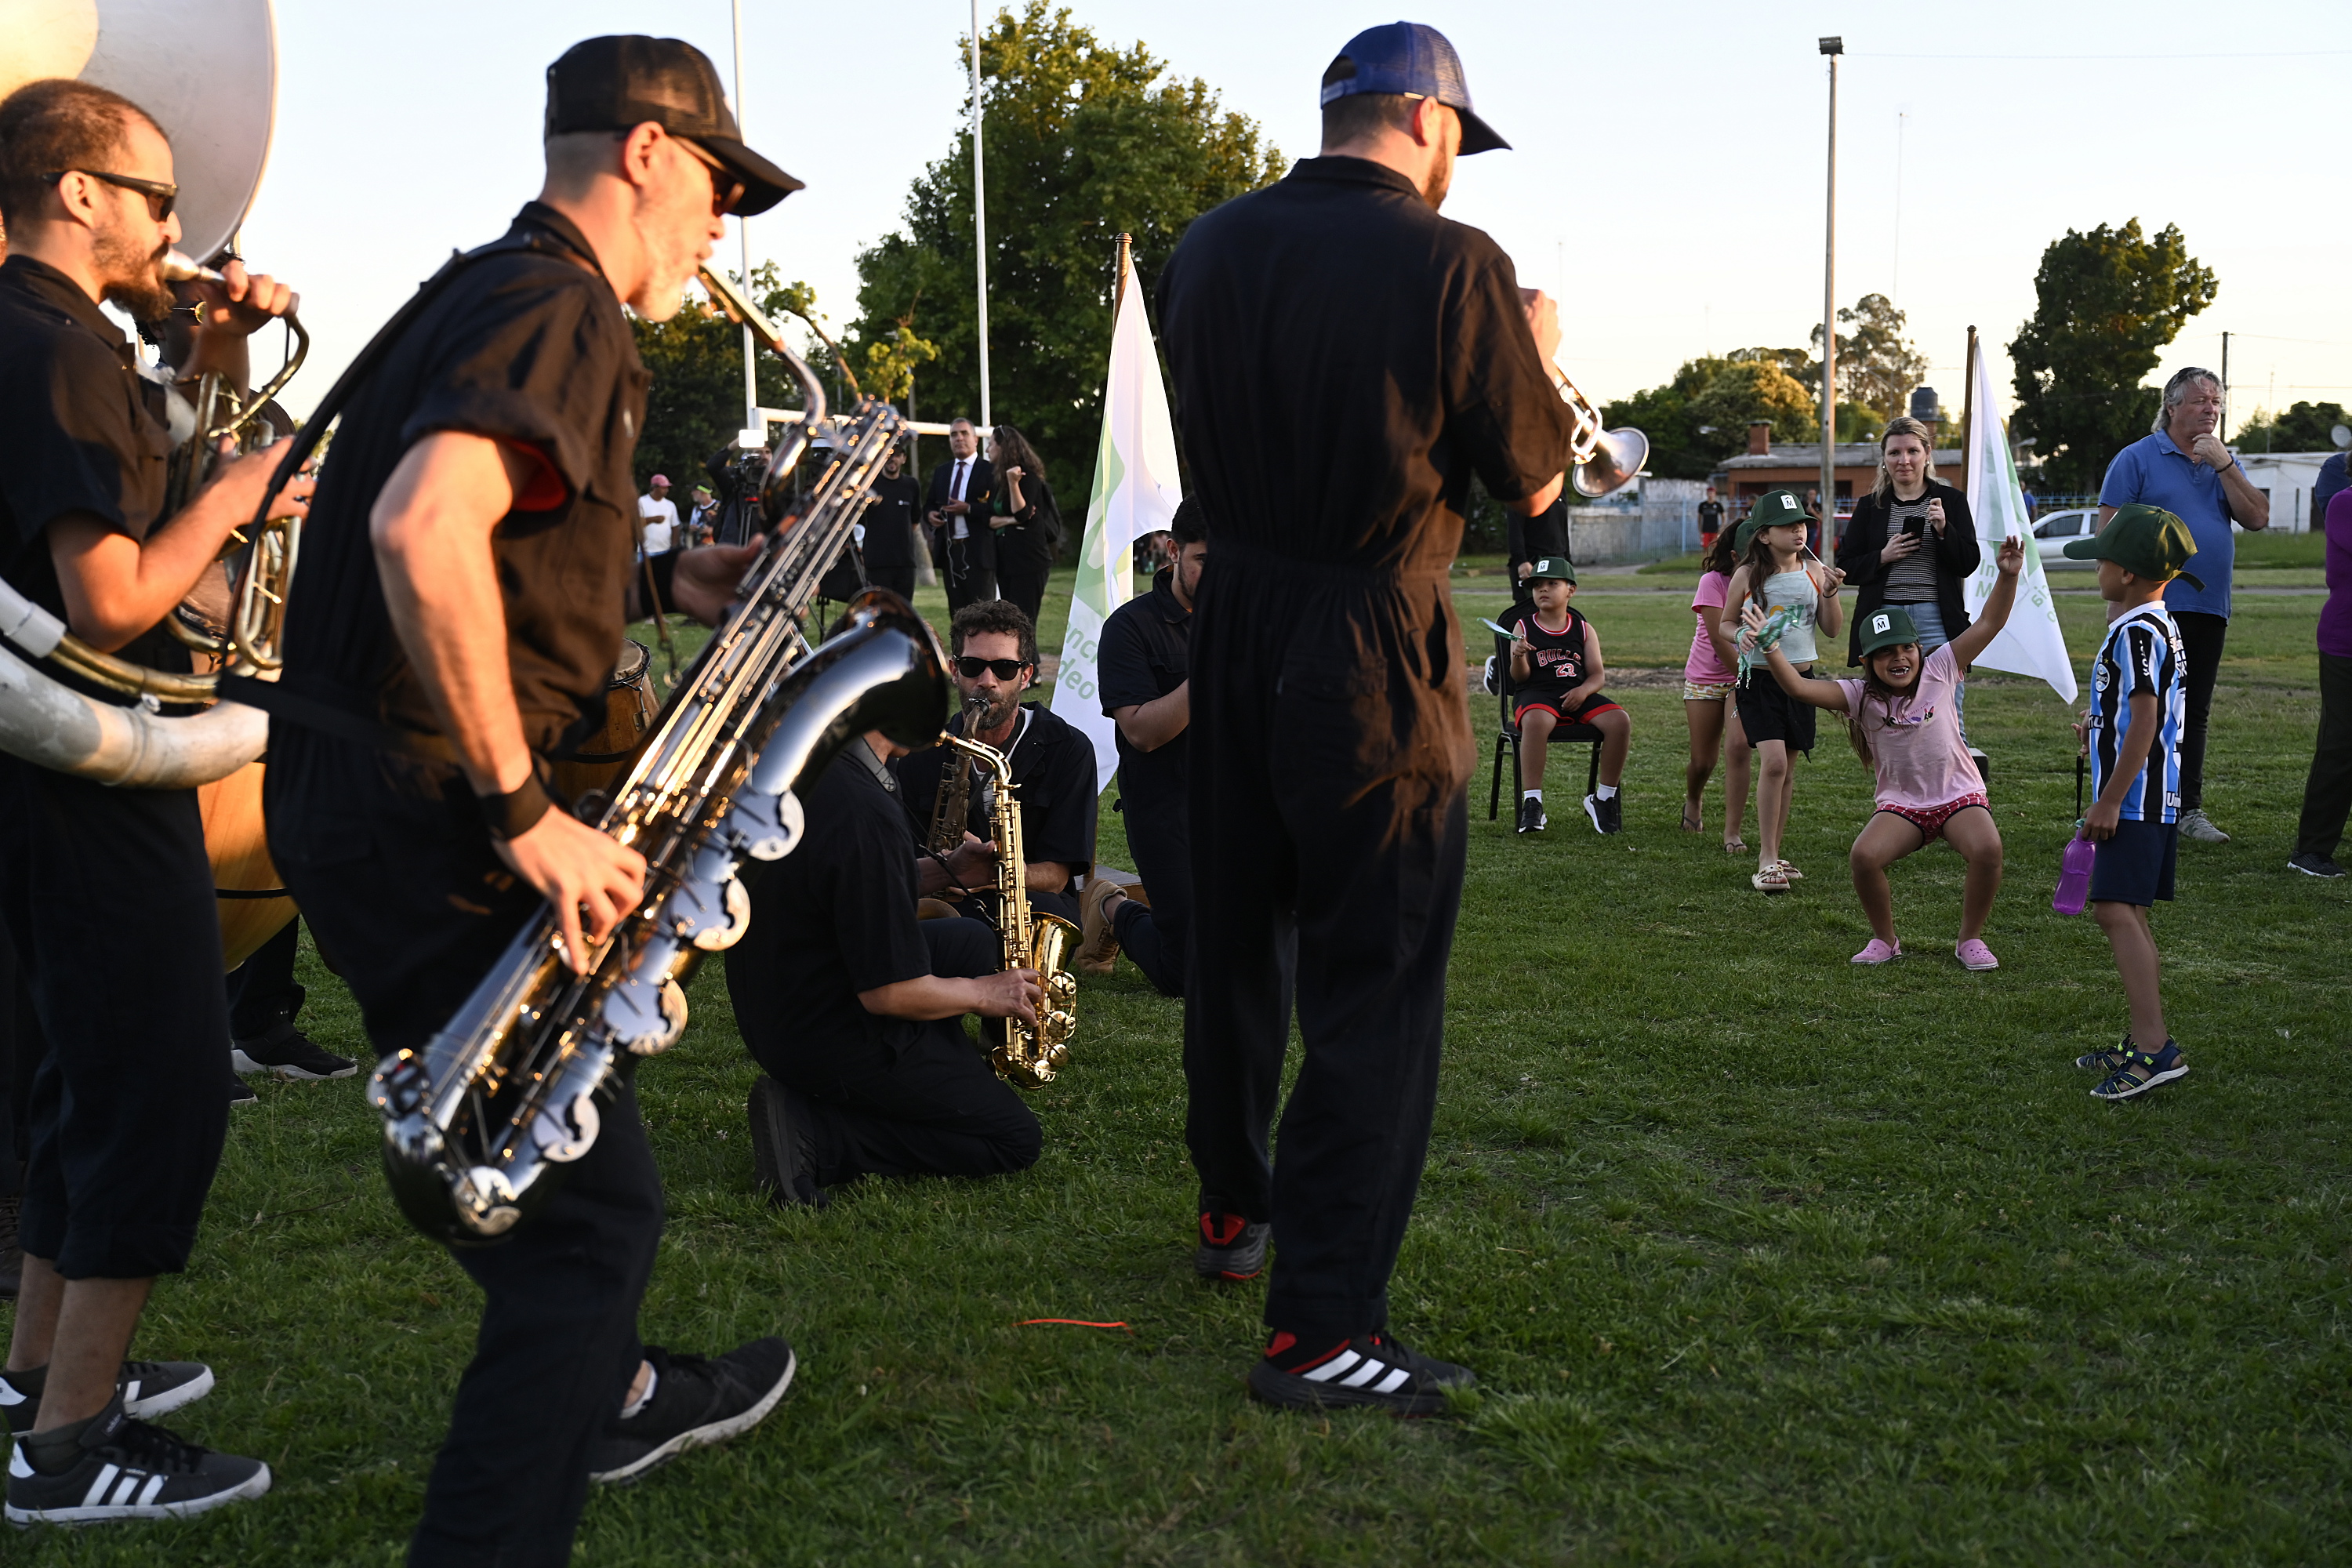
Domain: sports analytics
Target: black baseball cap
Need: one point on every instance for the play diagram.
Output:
(618, 82)
(1413, 61)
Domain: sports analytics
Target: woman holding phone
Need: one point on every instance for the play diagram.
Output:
(1912, 542)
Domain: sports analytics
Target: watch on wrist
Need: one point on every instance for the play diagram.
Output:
(517, 811)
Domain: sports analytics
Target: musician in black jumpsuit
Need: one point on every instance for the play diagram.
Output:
(1344, 360)
(404, 799)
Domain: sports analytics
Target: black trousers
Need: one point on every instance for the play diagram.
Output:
(2328, 792)
(109, 900)
(262, 994)
(2201, 637)
(899, 580)
(931, 1106)
(1330, 745)
(1023, 583)
(1156, 938)
(21, 1050)
(405, 894)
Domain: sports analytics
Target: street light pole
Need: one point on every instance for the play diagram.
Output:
(980, 228)
(743, 232)
(1833, 47)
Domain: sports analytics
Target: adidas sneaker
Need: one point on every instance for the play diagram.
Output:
(1370, 1370)
(121, 1468)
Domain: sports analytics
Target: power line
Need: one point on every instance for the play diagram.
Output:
(2256, 55)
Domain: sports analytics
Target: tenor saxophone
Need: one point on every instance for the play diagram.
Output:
(951, 807)
(480, 1122)
(1023, 1057)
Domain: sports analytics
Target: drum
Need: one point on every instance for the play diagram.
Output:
(254, 907)
(630, 707)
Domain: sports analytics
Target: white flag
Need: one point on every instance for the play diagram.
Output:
(2031, 644)
(1135, 492)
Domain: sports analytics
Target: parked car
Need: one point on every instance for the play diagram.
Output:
(2053, 532)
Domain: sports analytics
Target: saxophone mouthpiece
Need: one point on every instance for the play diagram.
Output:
(180, 268)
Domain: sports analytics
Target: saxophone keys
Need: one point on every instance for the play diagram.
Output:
(719, 938)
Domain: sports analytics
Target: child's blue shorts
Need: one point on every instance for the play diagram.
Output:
(2136, 866)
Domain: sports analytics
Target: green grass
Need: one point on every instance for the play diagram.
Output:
(1760, 1257)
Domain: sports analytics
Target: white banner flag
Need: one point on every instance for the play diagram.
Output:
(1135, 492)
(2031, 644)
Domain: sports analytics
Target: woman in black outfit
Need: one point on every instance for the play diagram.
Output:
(1912, 542)
(1028, 525)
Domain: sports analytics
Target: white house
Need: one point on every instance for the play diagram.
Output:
(2286, 478)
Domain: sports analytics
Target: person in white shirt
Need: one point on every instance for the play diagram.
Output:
(956, 508)
(659, 515)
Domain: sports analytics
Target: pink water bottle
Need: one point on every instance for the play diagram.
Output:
(2074, 875)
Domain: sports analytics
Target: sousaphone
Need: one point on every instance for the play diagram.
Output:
(206, 70)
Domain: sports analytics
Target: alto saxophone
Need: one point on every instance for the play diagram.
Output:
(951, 807)
(480, 1122)
(1023, 1057)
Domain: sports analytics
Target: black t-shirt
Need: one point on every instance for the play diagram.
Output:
(1556, 660)
(834, 918)
(1344, 358)
(1142, 656)
(81, 431)
(1710, 516)
(891, 522)
(1028, 540)
(1054, 774)
(527, 346)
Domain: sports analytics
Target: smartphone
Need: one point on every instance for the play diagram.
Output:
(1917, 527)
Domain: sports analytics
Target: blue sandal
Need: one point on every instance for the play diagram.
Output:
(2143, 1072)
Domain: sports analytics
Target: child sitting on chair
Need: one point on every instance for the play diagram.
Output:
(1556, 678)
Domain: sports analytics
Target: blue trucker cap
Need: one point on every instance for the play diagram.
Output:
(1415, 61)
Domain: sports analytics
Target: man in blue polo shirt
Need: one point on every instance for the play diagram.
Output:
(2183, 467)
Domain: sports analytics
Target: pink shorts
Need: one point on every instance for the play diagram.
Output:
(1930, 819)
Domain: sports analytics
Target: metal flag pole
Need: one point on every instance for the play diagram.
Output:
(980, 228)
(1969, 414)
(1833, 47)
(752, 420)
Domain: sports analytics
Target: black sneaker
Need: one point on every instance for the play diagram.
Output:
(239, 1091)
(146, 1388)
(1608, 816)
(695, 1403)
(12, 1252)
(1531, 814)
(1231, 1247)
(1371, 1370)
(288, 1052)
(2314, 865)
(783, 1149)
(127, 1470)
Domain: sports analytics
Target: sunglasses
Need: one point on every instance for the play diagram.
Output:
(1002, 668)
(726, 190)
(160, 195)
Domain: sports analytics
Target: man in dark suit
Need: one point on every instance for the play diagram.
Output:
(955, 511)
(889, 546)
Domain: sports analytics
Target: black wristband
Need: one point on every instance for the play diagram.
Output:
(515, 813)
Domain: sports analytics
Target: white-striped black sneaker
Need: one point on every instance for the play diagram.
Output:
(147, 1388)
(695, 1402)
(287, 1052)
(124, 1468)
(1370, 1370)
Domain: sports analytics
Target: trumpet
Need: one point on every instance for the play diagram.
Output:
(1599, 461)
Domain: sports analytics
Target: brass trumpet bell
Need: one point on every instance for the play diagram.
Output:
(1617, 457)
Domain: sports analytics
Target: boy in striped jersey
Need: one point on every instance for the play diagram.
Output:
(2139, 698)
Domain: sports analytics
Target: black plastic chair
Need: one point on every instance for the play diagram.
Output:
(1507, 739)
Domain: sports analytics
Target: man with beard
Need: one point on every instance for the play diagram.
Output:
(128, 1112)
(1344, 360)
(461, 609)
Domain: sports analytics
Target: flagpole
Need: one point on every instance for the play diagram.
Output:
(1833, 47)
(743, 232)
(1969, 413)
(980, 228)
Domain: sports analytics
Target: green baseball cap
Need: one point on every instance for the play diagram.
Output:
(1772, 508)
(1554, 566)
(1887, 627)
(2144, 541)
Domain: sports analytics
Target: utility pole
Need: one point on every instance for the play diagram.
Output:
(980, 228)
(1833, 47)
(743, 231)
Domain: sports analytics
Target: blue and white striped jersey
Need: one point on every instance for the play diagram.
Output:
(2142, 653)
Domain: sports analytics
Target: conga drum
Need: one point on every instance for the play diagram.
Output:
(630, 708)
(254, 906)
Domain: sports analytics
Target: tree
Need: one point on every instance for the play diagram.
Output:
(2305, 427)
(696, 358)
(2107, 302)
(1877, 366)
(1747, 391)
(1084, 142)
(1701, 417)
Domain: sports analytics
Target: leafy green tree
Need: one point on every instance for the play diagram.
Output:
(696, 358)
(2108, 301)
(2305, 427)
(1745, 391)
(1877, 366)
(1084, 142)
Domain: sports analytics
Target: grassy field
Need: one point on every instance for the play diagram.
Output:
(1759, 1257)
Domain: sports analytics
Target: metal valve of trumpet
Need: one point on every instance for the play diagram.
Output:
(1600, 461)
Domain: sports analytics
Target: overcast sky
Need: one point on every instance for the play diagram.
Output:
(1666, 182)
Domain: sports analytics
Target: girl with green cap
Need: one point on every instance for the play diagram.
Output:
(1774, 578)
(1904, 720)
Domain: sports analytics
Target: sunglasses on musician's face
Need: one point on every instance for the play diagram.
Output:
(160, 195)
(726, 190)
(1002, 668)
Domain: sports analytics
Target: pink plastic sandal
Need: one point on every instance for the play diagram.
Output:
(1878, 952)
(1975, 955)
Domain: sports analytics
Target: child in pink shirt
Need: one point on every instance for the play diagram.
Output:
(1904, 722)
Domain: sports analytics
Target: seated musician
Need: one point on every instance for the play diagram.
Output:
(854, 1008)
(1052, 768)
